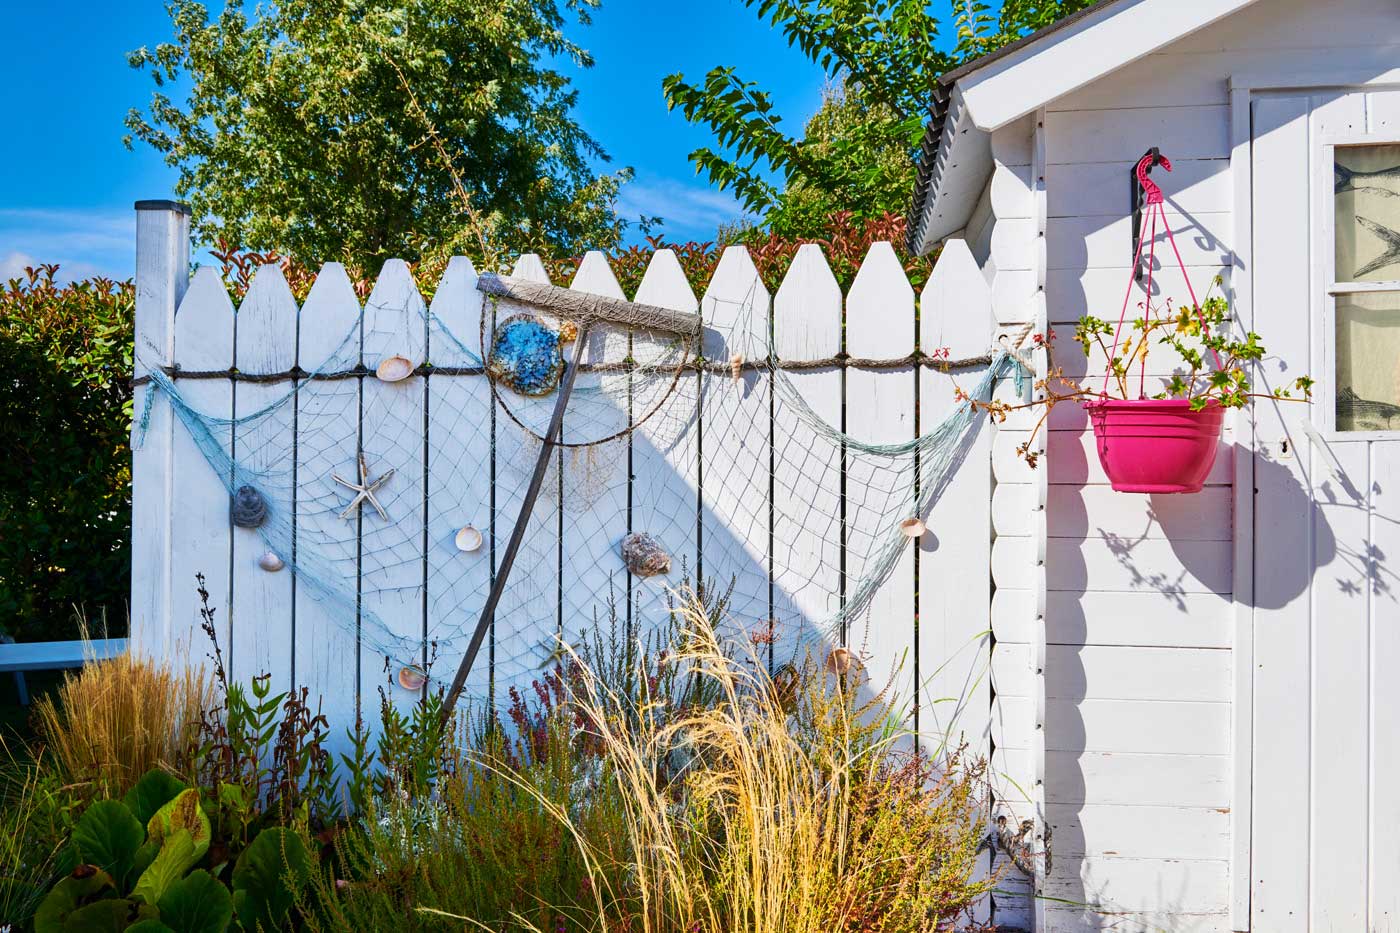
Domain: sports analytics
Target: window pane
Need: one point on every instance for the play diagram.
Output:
(1367, 199)
(1368, 362)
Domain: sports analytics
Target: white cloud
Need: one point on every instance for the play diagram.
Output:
(83, 242)
(13, 264)
(689, 210)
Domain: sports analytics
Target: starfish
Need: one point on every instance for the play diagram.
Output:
(364, 490)
(1392, 247)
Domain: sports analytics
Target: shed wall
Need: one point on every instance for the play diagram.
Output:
(1139, 618)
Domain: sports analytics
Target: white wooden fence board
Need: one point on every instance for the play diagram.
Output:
(1090, 511)
(735, 521)
(954, 586)
(1125, 778)
(807, 484)
(162, 275)
(1152, 565)
(1060, 919)
(391, 415)
(665, 487)
(1140, 832)
(1013, 244)
(594, 525)
(261, 613)
(523, 640)
(1159, 727)
(200, 530)
(459, 476)
(326, 651)
(1183, 620)
(1085, 189)
(880, 323)
(1113, 672)
(1200, 132)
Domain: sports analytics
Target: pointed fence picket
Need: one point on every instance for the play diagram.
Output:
(460, 460)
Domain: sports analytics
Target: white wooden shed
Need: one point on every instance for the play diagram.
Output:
(1210, 678)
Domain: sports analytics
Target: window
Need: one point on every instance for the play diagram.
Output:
(1366, 286)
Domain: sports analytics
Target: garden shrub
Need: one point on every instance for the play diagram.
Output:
(65, 477)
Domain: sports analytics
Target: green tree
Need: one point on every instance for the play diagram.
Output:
(856, 155)
(364, 129)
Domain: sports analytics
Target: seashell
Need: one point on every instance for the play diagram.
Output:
(842, 662)
(248, 509)
(271, 562)
(644, 555)
(912, 528)
(412, 678)
(736, 366)
(394, 369)
(468, 539)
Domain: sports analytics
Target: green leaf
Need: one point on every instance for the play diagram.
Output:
(198, 903)
(86, 884)
(267, 876)
(108, 836)
(177, 855)
(182, 813)
(155, 789)
(149, 925)
(101, 917)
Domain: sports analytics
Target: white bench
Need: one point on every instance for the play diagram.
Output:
(19, 657)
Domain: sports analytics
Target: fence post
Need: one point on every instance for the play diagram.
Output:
(162, 274)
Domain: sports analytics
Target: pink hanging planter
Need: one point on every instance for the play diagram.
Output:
(1155, 445)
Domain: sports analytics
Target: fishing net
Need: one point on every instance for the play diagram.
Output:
(380, 476)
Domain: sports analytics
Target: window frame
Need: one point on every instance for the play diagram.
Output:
(1328, 288)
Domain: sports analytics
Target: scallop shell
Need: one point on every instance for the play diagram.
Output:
(248, 509)
(394, 369)
(468, 539)
(412, 678)
(644, 555)
(271, 562)
(912, 528)
(842, 661)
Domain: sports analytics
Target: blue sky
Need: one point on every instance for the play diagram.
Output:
(67, 183)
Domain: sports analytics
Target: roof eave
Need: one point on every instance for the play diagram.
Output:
(956, 161)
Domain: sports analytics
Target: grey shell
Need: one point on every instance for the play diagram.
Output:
(248, 509)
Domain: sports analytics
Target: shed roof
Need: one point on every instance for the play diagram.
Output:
(972, 101)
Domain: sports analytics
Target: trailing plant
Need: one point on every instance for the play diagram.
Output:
(1210, 364)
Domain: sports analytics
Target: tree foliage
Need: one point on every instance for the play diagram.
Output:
(65, 479)
(364, 129)
(856, 155)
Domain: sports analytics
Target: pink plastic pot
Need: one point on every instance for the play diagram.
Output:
(1147, 445)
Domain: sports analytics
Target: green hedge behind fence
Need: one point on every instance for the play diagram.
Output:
(65, 471)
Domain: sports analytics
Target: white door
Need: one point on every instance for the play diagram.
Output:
(1326, 634)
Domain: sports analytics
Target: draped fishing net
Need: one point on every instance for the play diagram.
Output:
(375, 491)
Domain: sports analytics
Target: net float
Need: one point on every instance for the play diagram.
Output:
(468, 539)
(394, 369)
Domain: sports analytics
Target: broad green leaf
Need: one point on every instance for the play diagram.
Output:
(198, 903)
(267, 876)
(86, 883)
(155, 789)
(108, 836)
(177, 855)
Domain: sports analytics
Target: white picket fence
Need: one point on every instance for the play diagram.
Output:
(932, 614)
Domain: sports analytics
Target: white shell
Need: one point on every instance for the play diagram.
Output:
(394, 368)
(271, 562)
(468, 539)
(412, 678)
(912, 528)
